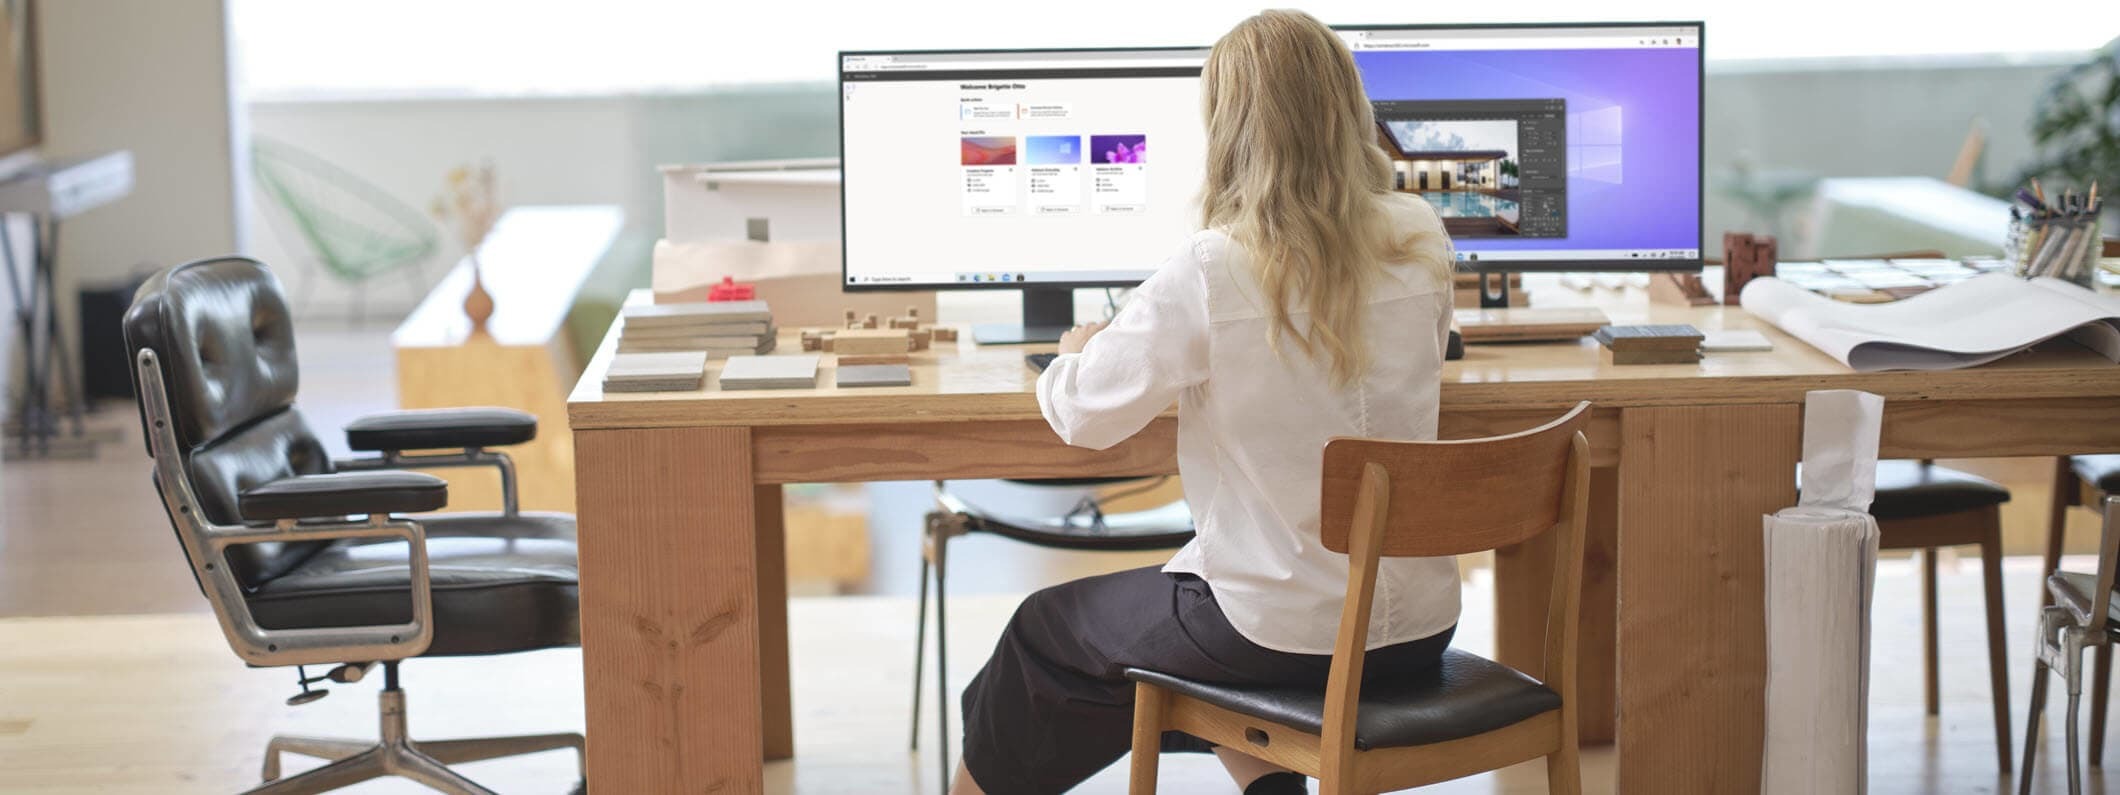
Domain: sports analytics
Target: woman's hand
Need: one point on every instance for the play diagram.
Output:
(1075, 338)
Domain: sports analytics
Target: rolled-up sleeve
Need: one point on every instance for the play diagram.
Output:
(1154, 349)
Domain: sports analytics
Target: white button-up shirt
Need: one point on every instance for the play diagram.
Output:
(1252, 427)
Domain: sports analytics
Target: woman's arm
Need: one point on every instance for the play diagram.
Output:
(1134, 368)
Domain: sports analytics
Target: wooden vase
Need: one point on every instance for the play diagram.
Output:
(479, 304)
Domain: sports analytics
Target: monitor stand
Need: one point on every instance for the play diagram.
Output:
(1494, 290)
(1048, 312)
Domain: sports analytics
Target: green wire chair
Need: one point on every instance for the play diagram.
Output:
(354, 230)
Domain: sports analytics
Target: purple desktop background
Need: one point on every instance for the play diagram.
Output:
(1656, 204)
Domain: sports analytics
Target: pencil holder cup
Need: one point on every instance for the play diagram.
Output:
(2061, 248)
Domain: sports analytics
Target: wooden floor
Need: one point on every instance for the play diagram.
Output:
(157, 704)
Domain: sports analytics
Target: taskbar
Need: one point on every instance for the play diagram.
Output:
(998, 278)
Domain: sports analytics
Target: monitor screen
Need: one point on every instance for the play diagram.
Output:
(1551, 147)
(999, 169)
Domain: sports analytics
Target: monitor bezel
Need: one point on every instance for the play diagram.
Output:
(1700, 201)
(839, 69)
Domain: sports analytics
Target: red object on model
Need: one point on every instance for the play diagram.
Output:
(729, 290)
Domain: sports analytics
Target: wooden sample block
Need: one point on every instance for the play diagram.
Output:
(1746, 257)
(862, 375)
(769, 372)
(918, 338)
(868, 341)
(1659, 344)
(1526, 325)
(943, 333)
(910, 320)
(874, 358)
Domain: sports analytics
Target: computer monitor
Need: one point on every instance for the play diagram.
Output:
(1017, 170)
(1571, 147)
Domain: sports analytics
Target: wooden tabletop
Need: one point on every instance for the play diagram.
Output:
(975, 383)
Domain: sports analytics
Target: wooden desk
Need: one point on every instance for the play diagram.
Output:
(535, 263)
(682, 590)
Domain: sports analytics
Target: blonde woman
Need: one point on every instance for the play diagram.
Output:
(1314, 303)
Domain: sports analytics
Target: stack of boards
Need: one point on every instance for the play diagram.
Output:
(675, 371)
(719, 328)
(1663, 344)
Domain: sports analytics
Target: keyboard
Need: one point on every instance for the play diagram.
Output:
(1040, 361)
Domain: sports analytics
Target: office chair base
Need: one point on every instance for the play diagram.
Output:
(353, 761)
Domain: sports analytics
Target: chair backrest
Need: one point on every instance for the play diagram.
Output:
(221, 334)
(1430, 499)
(355, 228)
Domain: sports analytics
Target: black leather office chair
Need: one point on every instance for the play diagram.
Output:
(1084, 528)
(263, 517)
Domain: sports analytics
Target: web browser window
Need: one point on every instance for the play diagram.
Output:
(1555, 147)
(1005, 167)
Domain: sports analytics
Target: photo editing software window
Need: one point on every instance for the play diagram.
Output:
(968, 168)
(1549, 143)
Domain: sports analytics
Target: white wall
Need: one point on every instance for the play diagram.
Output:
(564, 150)
(153, 78)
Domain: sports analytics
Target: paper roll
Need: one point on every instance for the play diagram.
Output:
(1840, 430)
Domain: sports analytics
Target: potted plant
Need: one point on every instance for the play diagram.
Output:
(2076, 128)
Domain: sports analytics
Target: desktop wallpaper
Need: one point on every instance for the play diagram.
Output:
(1118, 149)
(1052, 150)
(987, 150)
(1633, 144)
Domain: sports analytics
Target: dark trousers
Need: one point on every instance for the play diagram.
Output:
(1053, 705)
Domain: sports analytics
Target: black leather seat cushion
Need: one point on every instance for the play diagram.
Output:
(1166, 527)
(430, 429)
(500, 584)
(2102, 471)
(343, 493)
(1463, 696)
(1909, 490)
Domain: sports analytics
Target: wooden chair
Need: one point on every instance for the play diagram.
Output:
(1467, 715)
(1922, 506)
(2083, 480)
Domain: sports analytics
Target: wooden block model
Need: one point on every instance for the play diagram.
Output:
(871, 341)
(943, 333)
(1745, 257)
(908, 321)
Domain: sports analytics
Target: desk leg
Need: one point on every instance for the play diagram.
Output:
(1693, 484)
(773, 624)
(1522, 576)
(669, 610)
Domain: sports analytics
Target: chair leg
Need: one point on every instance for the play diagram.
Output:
(919, 649)
(326, 748)
(340, 774)
(942, 660)
(1149, 705)
(425, 770)
(1564, 770)
(450, 752)
(2101, 682)
(1998, 651)
(2057, 524)
(2072, 670)
(1931, 691)
(2031, 725)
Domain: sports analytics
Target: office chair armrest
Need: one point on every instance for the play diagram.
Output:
(436, 429)
(343, 494)
(260, 646)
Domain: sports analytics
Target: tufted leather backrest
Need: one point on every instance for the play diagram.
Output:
(221, 331)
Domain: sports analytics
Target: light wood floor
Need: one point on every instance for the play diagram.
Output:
(157, 704)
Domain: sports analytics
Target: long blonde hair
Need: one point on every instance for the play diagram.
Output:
(1295, 174)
